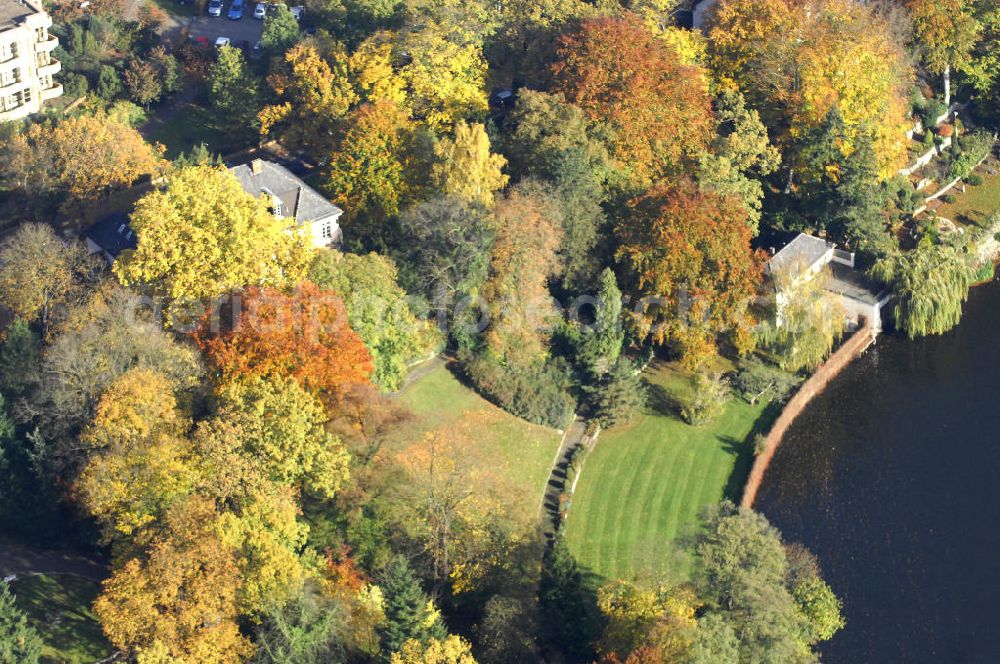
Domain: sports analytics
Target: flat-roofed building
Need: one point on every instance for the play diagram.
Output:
(27, 67)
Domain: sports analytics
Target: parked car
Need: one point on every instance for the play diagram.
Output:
(236, 10)
(260, 11)
(215, 7)
(298, 12)
(221, 41)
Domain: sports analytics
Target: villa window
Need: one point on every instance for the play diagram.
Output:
(327, 230)
(26, 96)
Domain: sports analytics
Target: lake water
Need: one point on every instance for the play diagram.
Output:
(892, 477)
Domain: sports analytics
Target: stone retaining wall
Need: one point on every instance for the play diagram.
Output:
(849, 350)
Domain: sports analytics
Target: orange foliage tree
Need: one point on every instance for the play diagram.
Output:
(303, 335)
(690, 250)
(658, 108)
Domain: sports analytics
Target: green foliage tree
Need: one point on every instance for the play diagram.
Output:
(808, 321)
(859, 201)
(739, 156)
(281, 30)
(930, 284)
(109, 83)
(20, 359)
(409, 612)
(377, 310)
(232, 87)
(306, 629)
(756, 381)
(600, 344)
(444, 250)
(553, 141)
(707, 399)
(619, 394)
(568, 608)
(20, 643)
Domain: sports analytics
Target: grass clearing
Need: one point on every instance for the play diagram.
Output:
(646, 483)
(192, 125)
(58, 606)
(522, 450)
(977, 203)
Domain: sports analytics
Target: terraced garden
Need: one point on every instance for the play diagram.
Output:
(644, 486)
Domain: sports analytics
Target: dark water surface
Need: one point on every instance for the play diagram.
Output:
(892, 477)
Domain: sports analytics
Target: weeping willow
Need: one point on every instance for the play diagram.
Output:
(930, 284)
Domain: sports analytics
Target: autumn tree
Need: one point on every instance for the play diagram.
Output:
(650, 622)
(40, 272)
(656, 107)
(373, 71)
(303, 335)
(946, 32)
(688, 253)
(465, 167)
(445, 74)
(372, 173)
(239, 241)
(314, 94)
(179, 601)
(95, 344)
(377, 309)
(809, 320)
(794, 61)
(451, 650)
(528, 229)
(142, 82)
(83, 157)
(282, 426)
(139, 460)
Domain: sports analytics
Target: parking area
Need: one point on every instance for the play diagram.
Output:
(247, 29)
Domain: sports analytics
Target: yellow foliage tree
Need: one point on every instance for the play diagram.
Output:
(660, 619)
(178, 603)
(796, 60)
(453, 650)
(203, 236)
(466, 169)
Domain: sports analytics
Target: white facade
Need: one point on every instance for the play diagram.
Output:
(27, 67)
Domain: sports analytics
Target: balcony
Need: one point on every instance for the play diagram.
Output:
(47, 44)
(52, 92)
(51, 69)
(11, 86)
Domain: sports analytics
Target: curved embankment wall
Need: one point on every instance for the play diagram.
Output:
(850, 349)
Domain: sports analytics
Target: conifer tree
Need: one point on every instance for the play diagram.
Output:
(19, 641)
(409, 613)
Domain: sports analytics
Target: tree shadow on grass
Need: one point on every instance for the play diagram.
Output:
(743, 449)
(660, 401)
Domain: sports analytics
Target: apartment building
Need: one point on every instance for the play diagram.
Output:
(26, 63)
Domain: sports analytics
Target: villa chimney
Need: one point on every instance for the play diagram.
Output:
(257, 166)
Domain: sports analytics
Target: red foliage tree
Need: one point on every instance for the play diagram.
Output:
(690, 249)
(658, 108)
(304, 335)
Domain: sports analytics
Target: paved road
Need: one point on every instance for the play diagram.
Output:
(22, 560)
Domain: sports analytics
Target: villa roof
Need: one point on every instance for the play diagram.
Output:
(803, 251)
(299, 199)
(113, 234)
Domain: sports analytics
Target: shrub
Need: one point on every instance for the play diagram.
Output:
(756, 380)
(74, 85)
(949, 198)
(974, 180)
(976, 146)
(536, 393)
(932, 110)
(945, 130)
(706, 401)
(759, 444)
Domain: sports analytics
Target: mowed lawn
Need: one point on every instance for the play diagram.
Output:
(977, 203)
(521, 450)
(644, 486)
(58, 606)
